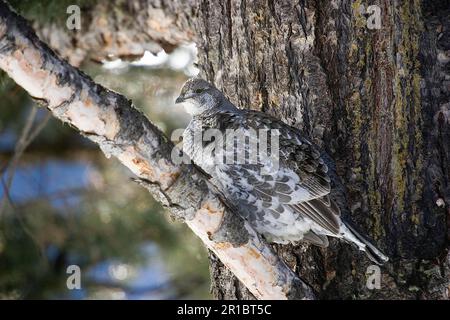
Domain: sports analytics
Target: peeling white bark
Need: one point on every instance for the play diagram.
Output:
(110, 120)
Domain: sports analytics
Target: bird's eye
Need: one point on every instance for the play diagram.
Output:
(199, 90)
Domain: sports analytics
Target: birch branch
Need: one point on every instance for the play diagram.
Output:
(120, 130)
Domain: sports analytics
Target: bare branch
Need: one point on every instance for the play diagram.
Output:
(110, 120)
(26, 137)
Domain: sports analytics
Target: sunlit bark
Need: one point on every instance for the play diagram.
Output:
(120, 130)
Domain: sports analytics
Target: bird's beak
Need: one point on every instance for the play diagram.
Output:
(180, 99)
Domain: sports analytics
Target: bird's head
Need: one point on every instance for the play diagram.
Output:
(198, 96)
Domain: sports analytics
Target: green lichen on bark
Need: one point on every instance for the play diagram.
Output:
(363, 118)
(406, 156)
(372, 57)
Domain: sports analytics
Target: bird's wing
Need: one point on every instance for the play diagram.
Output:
(316, 239)
(301, 181)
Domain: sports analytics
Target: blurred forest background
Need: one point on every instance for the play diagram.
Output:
(62, 202)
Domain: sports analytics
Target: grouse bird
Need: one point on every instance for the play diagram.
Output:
(290, 202)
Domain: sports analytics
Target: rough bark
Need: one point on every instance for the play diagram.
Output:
(377, 101)
(120, 130)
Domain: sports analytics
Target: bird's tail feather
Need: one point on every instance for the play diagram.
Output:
(372, 252)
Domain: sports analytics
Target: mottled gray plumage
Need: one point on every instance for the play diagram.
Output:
(290, 204)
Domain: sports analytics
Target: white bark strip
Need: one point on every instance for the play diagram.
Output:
(110, 120)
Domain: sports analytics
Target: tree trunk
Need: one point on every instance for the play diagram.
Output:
(111, 121)
(376, 100)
